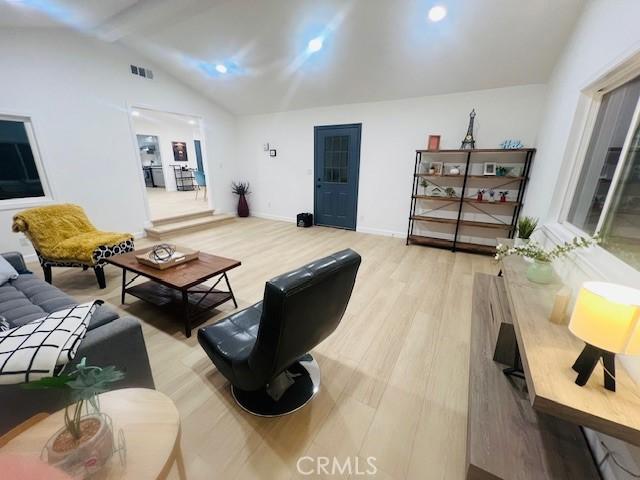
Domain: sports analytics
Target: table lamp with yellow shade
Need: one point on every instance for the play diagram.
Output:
(607, 318)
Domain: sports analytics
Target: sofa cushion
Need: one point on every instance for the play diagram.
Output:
(102, 316)
(7, 272)
(30, 298)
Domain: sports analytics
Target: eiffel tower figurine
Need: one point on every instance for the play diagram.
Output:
(469, 142)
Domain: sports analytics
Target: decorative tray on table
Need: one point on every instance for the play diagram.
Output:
(165, 256)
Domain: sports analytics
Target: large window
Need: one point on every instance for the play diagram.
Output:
(607, 198)
(19, 175)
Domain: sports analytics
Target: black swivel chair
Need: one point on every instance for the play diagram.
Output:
(264, 350)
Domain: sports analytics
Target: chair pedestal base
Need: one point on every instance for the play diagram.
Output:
(293, 389)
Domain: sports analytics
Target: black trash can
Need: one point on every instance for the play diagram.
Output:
(305, 220)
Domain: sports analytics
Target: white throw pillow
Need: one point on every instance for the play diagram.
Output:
(7, 272)
(42, 347)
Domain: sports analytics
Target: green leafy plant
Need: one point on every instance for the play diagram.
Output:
(83, 385)
(526, 227)
(424, 183)
(537, 252)
(240, 188)
(450, 191)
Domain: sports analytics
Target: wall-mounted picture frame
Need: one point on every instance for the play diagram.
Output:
(434, 142)
(489, 168)
(435, 168)
(179, 151)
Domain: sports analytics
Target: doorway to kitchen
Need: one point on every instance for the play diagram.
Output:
(172, 159)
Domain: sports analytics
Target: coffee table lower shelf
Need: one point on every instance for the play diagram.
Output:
(192, 304)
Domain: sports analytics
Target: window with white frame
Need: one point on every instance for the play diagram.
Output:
(607, 197)
(20, 170)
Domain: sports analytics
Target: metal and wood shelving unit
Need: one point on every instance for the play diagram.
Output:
(465, 202)
(185, 179)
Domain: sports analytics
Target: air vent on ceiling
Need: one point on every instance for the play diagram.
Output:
(141, 71)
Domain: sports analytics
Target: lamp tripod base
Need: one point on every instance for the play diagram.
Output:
(587, 361)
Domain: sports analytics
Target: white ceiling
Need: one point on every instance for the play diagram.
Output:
(373, 49)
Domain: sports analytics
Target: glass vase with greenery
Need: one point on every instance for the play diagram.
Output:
(85, 443)
(541, 270)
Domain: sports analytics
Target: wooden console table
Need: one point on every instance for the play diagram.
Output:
(548, 352)
(533, 429)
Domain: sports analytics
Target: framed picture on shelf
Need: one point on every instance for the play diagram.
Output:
(489, 168)
(434, 142)
(435, 168)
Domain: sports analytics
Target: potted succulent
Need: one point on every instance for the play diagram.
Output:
(541, 270)
(526, 227)
(424, 184)
(242, 190)
(85, 443)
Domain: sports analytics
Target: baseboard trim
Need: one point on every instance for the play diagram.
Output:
(382, 232)
(269, 216)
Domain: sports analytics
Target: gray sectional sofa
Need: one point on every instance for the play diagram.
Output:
(110, 340)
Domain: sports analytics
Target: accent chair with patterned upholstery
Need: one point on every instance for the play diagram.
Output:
(63, 236)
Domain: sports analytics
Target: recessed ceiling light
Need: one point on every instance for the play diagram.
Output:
(437, 13)
(192, 122)
(135, 113)
(315, 45)
(220, 68)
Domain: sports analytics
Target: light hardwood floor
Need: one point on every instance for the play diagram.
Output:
(394, 373)
(163, 204)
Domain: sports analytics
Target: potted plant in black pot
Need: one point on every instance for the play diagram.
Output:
(242, 190)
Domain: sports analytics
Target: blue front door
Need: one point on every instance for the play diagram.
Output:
(337, 165)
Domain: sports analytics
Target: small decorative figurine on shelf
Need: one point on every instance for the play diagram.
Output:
(492, 196)
(511, 144)
(455, 170)
(469, 142)
(437, 192)
(503, 196)
(479, 195)
(450, 191)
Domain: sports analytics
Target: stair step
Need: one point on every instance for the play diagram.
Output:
(179, 218)
(160, 232)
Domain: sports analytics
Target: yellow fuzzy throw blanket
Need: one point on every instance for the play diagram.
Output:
(64, 233)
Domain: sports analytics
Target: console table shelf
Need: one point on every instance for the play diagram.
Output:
(457, 195)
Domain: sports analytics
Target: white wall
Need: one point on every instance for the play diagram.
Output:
(391, 132)
(77, 91)
(170, 128)
(606, 34)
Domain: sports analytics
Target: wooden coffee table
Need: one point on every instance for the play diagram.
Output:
(148, 419)
(177, 287)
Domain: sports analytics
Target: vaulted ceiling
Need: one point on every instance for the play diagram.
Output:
(372, 49)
